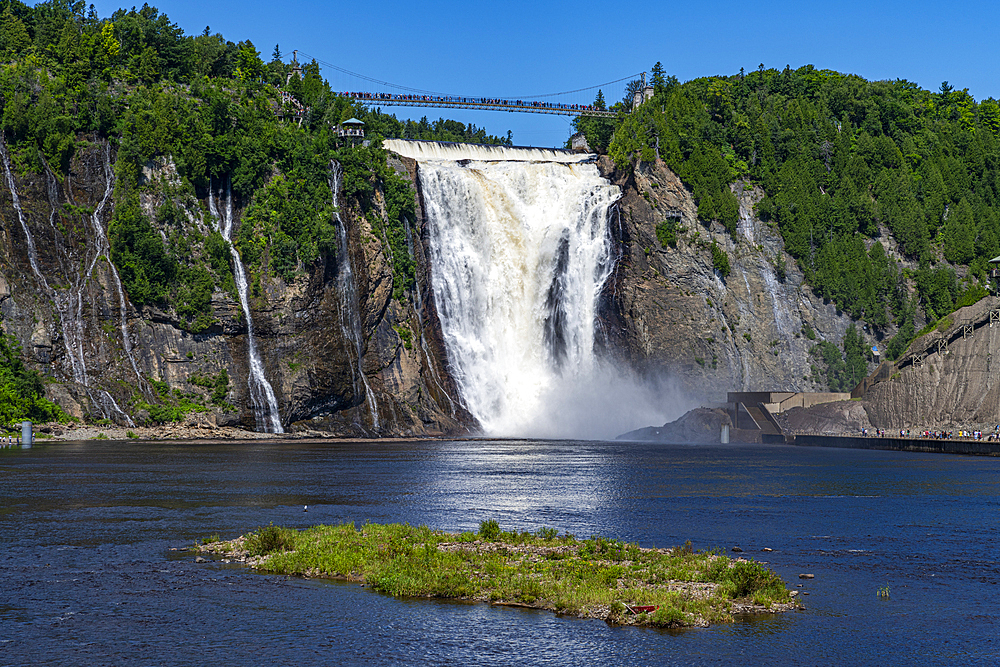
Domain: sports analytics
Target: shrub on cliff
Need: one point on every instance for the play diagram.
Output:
(720, 260)
(22, 394)
(839, 159)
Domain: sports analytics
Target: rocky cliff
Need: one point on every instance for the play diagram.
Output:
(669, 312)
(108, 360)
(946, 380)
(342, 355)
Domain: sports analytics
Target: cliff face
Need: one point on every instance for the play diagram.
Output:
(947, 379)
(668, 312)
(63, 300)
(364, 363)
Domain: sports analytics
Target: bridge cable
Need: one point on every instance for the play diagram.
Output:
(437, 94)
(378, 81)
(578, 90)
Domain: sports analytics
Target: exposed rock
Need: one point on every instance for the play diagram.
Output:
(701, 425)
(311, 365)
(665, 313)
(835, 418)
(954, 387)
(668, 312)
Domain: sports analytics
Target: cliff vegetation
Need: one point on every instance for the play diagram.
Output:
(187, 125)
(885, 194)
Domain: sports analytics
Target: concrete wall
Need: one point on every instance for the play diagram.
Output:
(754, 397)
(807, 400)
(967, 447)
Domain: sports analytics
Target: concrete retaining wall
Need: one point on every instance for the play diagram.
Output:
(966, 447)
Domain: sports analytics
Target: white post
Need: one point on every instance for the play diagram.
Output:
(26, 434)
(724, 437)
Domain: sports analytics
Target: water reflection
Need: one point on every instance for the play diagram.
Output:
(88, 576)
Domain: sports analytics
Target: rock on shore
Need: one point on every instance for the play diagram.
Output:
(698, 426)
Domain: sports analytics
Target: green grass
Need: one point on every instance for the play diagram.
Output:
(596, 577)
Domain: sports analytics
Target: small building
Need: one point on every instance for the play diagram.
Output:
(578, 143)
(642, 96)
(995, 272)
(352, 128)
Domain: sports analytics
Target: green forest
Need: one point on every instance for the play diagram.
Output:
(227, 117)
(22, 392)
(843, 162)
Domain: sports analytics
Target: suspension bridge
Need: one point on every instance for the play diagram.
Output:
(374, 92)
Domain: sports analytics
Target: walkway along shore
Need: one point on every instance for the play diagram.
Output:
(890, 443)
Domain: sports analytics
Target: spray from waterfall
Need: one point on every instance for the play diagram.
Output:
(262, 398)
(520, 251)
(350, 311)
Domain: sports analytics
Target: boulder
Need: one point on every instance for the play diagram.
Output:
(698, 426)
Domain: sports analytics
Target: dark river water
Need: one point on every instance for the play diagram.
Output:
(88, 577)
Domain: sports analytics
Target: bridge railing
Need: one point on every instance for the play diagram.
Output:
(391, 100)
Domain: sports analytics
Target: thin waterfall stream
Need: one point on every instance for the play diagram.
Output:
(262, 398)
(104, 249)
(350, 310)
(70, 321)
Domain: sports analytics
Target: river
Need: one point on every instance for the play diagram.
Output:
(88, 574)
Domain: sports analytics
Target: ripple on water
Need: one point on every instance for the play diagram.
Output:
(87, 575)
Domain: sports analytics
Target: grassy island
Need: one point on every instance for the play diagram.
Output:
(596, 578)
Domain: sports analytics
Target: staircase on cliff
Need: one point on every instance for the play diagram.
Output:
(964, 324)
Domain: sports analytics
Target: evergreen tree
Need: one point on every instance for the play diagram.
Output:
(855, 358)
(14, 37)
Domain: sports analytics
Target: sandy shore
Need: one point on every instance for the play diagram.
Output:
(177, 431)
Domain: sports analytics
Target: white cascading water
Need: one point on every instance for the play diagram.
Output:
(72, 323)
(262, 398)
(104, 249)
(519, 254)
(32, 252)
(350, 312)
(422, 151)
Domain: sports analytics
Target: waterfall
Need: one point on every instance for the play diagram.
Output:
(262, 398)
(519, 253)
(64, 299)
(72, 326)
(32, 252)
(439, 150)
(104, 249)
(350, 311)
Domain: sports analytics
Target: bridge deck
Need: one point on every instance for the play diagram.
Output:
(502, 105)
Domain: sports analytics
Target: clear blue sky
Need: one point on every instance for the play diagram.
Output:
(523, 48)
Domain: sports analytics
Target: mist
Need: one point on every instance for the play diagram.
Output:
(600, 404)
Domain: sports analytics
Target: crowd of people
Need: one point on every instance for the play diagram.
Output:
(389, 97)
(937, 435)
